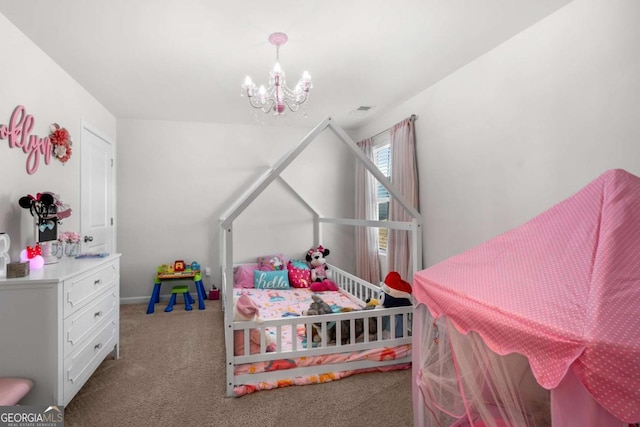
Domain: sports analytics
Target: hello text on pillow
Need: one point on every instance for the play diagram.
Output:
(277, 279)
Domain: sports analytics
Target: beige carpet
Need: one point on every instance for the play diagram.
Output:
(171, 373)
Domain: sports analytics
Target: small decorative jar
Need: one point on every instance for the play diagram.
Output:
(59, 249)
(71, 249)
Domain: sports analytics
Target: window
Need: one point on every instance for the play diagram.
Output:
(382, 159)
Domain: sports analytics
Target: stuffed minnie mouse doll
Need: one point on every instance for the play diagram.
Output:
(318, 262)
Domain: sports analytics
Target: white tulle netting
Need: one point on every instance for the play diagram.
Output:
(461, 382)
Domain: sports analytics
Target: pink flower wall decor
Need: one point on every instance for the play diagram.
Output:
(61, 141)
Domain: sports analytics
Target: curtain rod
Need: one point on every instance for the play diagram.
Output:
(413, 117)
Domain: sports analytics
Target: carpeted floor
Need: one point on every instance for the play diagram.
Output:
(171, 372)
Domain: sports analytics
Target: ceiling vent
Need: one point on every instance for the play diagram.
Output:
(363, 109)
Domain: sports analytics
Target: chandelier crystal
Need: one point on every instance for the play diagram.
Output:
(277, 97)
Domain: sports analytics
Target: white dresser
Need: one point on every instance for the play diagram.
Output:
(58, 324)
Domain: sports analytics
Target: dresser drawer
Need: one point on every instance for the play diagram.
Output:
(79, 290)
(83, 323)
(82, 363)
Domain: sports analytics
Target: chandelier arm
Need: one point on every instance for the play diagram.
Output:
(268, 105)
(255, 103)
(293, 101)
(296, 93)
(306, 96)
(293, 105)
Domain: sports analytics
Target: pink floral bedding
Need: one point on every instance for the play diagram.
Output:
(276, 304)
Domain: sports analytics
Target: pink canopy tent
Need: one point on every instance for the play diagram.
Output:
(564, 291)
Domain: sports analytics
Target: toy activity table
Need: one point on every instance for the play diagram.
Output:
(178, 275)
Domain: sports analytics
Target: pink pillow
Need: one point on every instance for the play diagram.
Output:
(243, 275)
(299, 274)
(272, 262)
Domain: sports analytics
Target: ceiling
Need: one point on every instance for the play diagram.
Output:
(185, 60)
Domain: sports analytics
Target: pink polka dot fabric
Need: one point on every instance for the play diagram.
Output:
(562, 289)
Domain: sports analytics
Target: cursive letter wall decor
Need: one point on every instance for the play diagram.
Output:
(17, 133)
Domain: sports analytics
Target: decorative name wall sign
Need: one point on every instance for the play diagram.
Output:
(18, 133)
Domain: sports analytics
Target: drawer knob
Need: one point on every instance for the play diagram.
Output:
(97, 282)
(98, 313)
(97, 346)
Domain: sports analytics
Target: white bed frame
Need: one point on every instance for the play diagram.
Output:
(352, 285)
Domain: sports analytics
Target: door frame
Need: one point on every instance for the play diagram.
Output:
(111, 195)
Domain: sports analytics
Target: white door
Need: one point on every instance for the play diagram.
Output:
(96, 192)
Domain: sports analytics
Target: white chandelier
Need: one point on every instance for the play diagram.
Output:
(277, 97)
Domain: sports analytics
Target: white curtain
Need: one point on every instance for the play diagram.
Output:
(404, 176)
(367, 261)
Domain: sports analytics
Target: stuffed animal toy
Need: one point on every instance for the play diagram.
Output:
(319, 270)
(245, 310)
(395, 292)
(318, 262)
(318, 306)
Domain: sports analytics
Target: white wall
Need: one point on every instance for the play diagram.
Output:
(29, 77)
(527, 124)
(177, 178)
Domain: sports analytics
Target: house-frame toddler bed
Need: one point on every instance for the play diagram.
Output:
(296, 363)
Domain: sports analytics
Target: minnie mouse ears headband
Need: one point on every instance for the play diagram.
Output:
(44, 198)
(42, 205)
